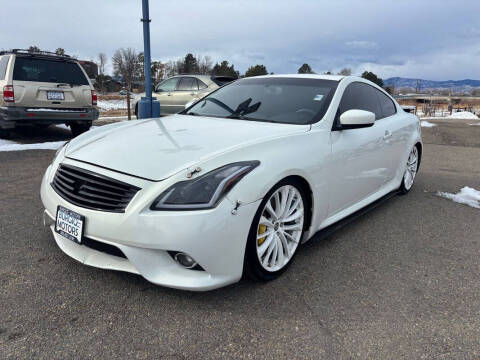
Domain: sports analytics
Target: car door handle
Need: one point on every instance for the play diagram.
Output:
(388, 135)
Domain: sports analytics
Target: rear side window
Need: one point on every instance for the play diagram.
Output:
(187, 83)
(3, 66)
(44, 70)
(201, 84)
(360, 96)
(386, 105)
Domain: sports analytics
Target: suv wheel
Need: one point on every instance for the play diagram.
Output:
(78, 129)
(5, 133)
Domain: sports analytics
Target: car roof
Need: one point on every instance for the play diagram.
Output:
(305, 76)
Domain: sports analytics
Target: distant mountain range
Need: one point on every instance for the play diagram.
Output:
(457, 85)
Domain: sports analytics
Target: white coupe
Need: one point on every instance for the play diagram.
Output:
(234, 183)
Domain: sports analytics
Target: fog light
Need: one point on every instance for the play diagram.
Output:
(185, 260)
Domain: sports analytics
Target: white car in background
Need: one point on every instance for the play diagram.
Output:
(234, 183)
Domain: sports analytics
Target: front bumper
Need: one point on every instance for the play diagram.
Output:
(215, 238)
(11, 116)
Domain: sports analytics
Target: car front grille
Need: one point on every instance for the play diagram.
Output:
(92, 191)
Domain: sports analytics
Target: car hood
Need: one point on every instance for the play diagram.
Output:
(156, 149)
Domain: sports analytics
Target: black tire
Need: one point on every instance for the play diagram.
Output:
(5, 133)
(252, 267)
(78, 129)
(403, 189)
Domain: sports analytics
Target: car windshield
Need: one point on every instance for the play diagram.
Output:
(271, 99)
(43, 70)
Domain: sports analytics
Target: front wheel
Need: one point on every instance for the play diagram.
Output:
(411, 171)
(78, 129)
(276, 231)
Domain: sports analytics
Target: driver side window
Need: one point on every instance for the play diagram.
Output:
(360, 96)
(167, 85)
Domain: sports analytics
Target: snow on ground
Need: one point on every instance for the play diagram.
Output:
(62, 126)
(6, 145)
(105, 105)
(425, 123)
(463, 115)
(467, 196)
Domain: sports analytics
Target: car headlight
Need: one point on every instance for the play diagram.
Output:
(204, 192)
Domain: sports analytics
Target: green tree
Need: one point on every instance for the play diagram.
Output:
(60, 51)
(256, 70)
(372, 77)
(33, 48)
(305, 69)
(345, 72)
(224, 69)
(190, 65)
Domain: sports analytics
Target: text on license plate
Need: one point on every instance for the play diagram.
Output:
(55, 95)
(69, 224)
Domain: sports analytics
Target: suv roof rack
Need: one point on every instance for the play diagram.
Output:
(34, 53)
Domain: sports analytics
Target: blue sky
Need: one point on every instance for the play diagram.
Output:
(428, 39)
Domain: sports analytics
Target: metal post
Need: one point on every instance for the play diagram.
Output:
(147, 107)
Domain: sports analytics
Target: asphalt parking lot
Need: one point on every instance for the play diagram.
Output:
(401, 282)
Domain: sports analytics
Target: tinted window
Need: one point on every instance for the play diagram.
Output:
(281, 100)
(386, 105)
(201, 84)
(41, 70)
(187, 83)
(167, 85)
(3, 66)
(360, 96)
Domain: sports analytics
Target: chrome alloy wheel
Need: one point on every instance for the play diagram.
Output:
(412, 166)
(280, 228)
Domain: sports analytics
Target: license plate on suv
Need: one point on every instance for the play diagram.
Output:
(55, 95)
(69, 224)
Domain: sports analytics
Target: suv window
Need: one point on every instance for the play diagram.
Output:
(387, 106)
(3, 66)
(44, 70)
(187, 83)
(167, 85)
(360, 96)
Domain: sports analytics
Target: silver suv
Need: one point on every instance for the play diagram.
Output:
(42, 88)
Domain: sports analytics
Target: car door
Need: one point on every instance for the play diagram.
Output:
(187, 90)
(359, 167)
(396, 135)
(164, 93)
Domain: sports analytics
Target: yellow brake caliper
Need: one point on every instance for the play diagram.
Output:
(261, 230)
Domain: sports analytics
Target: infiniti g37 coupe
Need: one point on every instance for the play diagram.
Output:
(233, 184)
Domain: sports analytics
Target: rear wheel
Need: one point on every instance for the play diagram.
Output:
(78, 129)
(5, 133)
(411, 171)
(276, 231)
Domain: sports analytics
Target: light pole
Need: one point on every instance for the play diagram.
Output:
(147, 106)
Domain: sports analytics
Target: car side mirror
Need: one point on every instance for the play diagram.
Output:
(354, 119)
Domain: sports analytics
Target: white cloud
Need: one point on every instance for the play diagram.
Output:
(362, 44)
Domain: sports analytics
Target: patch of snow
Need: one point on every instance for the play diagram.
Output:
(467, 196)
(105, 105)
(425, 123)
(6, 145)
(62, 126)
(115, 117)
(463, 115)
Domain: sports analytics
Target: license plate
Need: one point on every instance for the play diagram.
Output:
(69, 224)
(55, 95)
